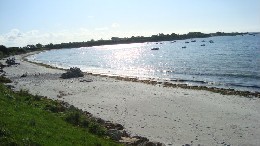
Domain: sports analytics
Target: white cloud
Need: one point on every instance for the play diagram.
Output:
(115, 25)
(17, 38)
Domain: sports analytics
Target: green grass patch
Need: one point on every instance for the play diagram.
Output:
(32, 120)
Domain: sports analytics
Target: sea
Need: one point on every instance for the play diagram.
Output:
(231, 62)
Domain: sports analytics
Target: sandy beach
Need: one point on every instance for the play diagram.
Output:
(173, 116)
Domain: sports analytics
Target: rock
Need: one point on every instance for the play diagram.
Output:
(110, 125)
(11, 61)
(128, 140)
(100, 121)
(114, 134)
(119, 127)
(125, 134)
(24, 75)
(73, 72)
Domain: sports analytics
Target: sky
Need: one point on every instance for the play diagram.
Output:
(24, 22)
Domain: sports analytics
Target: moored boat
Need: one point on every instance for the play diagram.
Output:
(155, 49)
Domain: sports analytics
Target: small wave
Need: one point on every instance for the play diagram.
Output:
(215, 84)
(234, 75)
(245, 86)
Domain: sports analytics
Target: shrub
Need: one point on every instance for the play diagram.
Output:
(73, 118)
(24, 92)
(4, 79)
(85, 123)
(55, 108)
(73, 72)
(96, 129)
(1, 55)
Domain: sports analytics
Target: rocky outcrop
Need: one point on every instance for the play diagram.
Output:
(73, 72)
(11, 61)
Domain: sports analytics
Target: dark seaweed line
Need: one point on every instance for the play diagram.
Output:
(222, 91)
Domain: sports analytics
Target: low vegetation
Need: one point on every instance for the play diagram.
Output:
(33, 120)
(4, 79)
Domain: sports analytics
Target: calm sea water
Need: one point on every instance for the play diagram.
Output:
(229, 62)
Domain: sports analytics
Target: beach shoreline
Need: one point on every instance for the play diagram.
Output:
(153, 81)
(174, 116)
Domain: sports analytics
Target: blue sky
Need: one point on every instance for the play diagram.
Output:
(54, 21)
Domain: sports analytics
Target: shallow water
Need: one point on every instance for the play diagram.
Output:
(230, 62)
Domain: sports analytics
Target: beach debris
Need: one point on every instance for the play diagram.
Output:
(86, 80)
(61, 94)
(24, 75)
(73, 72)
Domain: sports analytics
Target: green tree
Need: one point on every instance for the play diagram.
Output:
(4, 49)
(38, 45)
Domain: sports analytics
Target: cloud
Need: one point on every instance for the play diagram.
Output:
(115, 25)
(13, 34)
(17, 38)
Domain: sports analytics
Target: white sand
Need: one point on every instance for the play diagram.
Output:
(173, 116)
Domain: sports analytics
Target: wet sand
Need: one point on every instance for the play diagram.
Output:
(174, 116)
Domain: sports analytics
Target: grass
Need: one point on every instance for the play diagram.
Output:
(32, 120)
